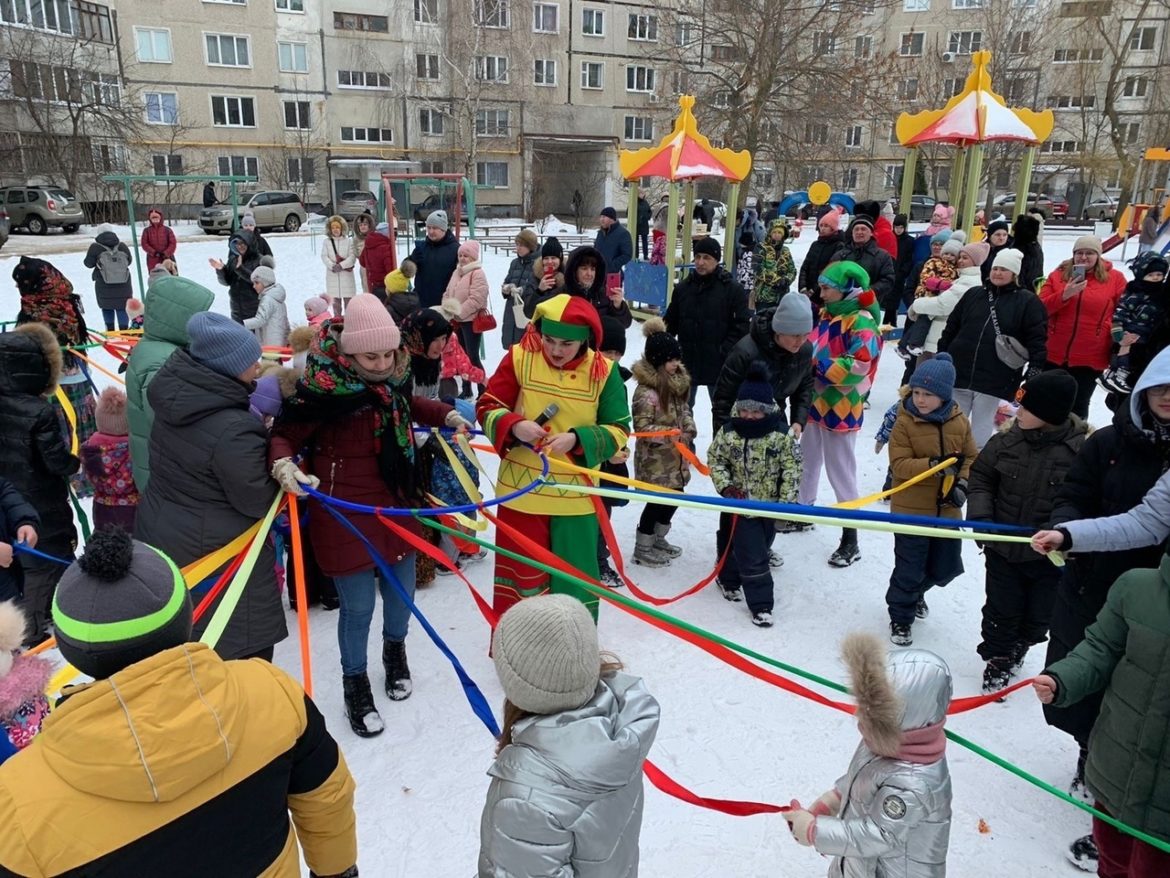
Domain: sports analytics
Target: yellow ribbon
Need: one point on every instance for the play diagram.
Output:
(70, 416)
(881, 495)
(195, 572)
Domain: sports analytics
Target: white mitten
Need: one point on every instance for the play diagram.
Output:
(456, 421)
(290, 477)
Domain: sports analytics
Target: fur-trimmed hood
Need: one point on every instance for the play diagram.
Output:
(30, 360)
(285, 377)
(337, 218)
(676, 387)
(301, 337)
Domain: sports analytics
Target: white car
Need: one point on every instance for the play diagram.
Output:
(1102, 207)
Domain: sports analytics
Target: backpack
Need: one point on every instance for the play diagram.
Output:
(113, 265)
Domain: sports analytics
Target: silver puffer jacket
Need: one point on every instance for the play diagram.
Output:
(566, 796)
(895, 816)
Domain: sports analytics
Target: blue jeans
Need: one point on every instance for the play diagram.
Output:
(356, 593)
(109, 314)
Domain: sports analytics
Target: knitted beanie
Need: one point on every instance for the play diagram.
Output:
(315, 305)
(661, 347)
(755, 391)
(793, 316)
(998, 226)
(1151, 264)
(609, 212)
(552, 247)
(437, 219)
(613, 335)
(527, 238)
(470, 248)
(110, 413)
(1088, 242)
(267, 399)
(248, 221)
(708, 247)
(845, 276)
(937, 376)
(977, 252)
(121, 602)
(940, 237)
(832, 218)
(1049, 396)
(263, 274)
(546, 654)
(1012, 260)
(221, 344)
(134, 308)
(861, 220)
(368, 327)
(954, 244)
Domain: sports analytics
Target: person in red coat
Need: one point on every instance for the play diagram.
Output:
(158, 240)
(352, 417)
(377, 258)
(1080, 297)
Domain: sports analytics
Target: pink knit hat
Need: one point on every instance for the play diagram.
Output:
(977, 252)
(832, 218)
(470, 248)
(368, 327)
(315, 305)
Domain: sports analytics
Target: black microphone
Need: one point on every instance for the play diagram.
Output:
(548, 414)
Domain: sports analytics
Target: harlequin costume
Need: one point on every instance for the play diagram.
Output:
(592, 404)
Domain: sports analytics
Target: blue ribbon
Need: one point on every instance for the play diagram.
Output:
(36, 553)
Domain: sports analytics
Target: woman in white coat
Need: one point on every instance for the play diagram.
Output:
(938, 308)
(339, 255)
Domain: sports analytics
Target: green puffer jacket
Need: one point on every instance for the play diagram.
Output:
(767, 468)
(170, 303)
(1126, 652)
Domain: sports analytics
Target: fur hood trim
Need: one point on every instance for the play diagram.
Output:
(286, 378)
(676, 388)
(337, 218)
(301, 337)
(879, 709)
(50, 348)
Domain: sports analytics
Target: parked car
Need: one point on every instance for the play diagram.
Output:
(1052, 207)
(921, 207)
(273, 211)
(435, 201)
(356, 202)
(36, 208)
(4, 227)
(1102, 207)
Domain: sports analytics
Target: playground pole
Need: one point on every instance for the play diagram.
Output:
(909, 169)
(632, 216)
(671, 237)
(1025, 184)
(974, 170)
(729, 228)
(688, 220)
(134, 238)
(955, 190)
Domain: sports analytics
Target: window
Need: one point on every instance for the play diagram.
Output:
(721, 99)
(293, 57)
(951, 87)
(894, 132)
(296, 115)
(154, 45)
(862, 47)
(162, 108)
(1142, 39)
(377, 24)
(639, 78)
(685, 33)
(893, 178)
(916, 5)
(366, 135)
(302, 170)
(494, 175)
(911, 45)
(93, 20)
(593, 22)
(239, 165)
(725, 53)
(1023, 4)
(431, 167)
(643, 27)
(491, 123)
(1071, 102)
(363, 79)
(491, 68)
(908, 89)
(65, 85)
(227, 50)
(426, 11)
(1020, 42)
(853, 136)
(230, 111)
(545, 18)
(430, 121)
(1085, 8)
(1056, 146)
(816, 132)
(849, 178)
(1018, 89)
(426, 66)
(680, 82)
(291, 6)
(492, 13)
(1130, 132)
(640, 128)
(167, 165)
(942, 177)
(964, 42)
(765, 177)
(1135, 87)
(544, 71)
(592, 73)
(229, 2)
(53, 15)
(824, 44)
(1072, 56)
(966, 4)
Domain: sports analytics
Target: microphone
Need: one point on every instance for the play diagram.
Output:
(548, 414)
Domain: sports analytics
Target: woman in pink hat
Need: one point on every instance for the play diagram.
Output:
(466, 297)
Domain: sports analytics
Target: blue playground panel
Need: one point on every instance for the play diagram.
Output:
(645, 285)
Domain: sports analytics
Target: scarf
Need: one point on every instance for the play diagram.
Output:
(758, 428)
(923, 746)
(938, 416)
(46, 296)
(419, 329)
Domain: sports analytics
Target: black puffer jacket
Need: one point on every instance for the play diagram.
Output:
(1111, 475)
(208, 484)
(108, 295)
(790, 375)
(519, 272)
(33, 453)
(595, 294)
(436, 263)
(969, 337)
(820, 253)
(876, 261)
(1026, 239)
(236, 275)
(15, 513)
(709, 315)
(1016, 478)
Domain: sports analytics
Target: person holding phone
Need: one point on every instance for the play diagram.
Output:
(1080, 296)
(585, 278)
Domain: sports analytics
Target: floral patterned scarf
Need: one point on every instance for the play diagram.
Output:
(46, 296)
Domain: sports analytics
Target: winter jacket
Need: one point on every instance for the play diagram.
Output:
(643, 217)
(656, 459)
(15, 513)
(533, 294)
(935, 267)
(1016, 478)
(969, 337)
(34, 455)
(376, 258)
(400, 305)
(236, 275)
(876, 261)
(271, 321)
(773, 268)
(1142, 309)
(883, 233)
(845, 349)
(820, 253)
(937, 309)
(566, 795)
(1026, 239)
(615, 246)
(107, 463)
(208, 484)
(914, 442)
(137, 774)
(339, 251)
(903, 265)
(748, 233)
(1079, 328)
(158, 243)
(457, 364)
(790, 375)
(170, 303)
(708, 314)
(519, 271)
(23, 705)
(1144, 525)
(467, 292)
(436, 263)
(595, 294)
(1126, 654)
(109, 295)
(766, 468)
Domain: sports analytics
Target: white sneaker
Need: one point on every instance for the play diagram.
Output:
(762, 619)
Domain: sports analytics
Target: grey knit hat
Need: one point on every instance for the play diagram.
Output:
(793, 316)
(264, 275)
(221, 344)
(546, 654)
(438, 219)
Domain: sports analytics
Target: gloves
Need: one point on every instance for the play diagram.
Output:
(957, 496)
(949, 476)
(290, 477)
(456, 421)
(733, 493)
(829, 803)
(335, 267)
(801, 823)
(878, 445)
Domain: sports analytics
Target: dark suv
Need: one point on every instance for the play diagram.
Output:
(36, 208)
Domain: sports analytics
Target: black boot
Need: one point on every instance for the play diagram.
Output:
(848, 552)
(398, 686)
(359, 706)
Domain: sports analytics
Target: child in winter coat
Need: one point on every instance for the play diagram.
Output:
(456, 364)
(753, 457)
(566, 792)
(23, 678)
(937, 275)
(18, 523)
(136, 311)
(271, 320)
(401, 300)
(106, 457)
(660, 404)
(1141, 310)
(773, 266)
(890, 815)
(936, 308)
(930, 428)
(1015, 480)
(317, 310)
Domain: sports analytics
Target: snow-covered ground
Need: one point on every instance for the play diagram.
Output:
(421, 784)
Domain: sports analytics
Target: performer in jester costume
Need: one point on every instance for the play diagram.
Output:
(555, 362)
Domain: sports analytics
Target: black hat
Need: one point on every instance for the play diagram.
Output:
(900, 220)
(613, 335)
(552, 247)
(1049, 396)
(861, 220)
(998, 226)
(609, 212)
(755, 392)
(708, 247)
(661, 347)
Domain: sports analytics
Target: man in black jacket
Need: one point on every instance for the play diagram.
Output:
(860, 247)
(820, 253)
(613, 241)
(436, 258)
(644, 226)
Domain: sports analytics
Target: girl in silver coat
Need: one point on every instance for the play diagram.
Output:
(890, 815)
(565, 799)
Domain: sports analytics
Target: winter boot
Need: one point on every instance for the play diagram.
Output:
(996, 675)
(762, 619)
(921, 610)
(660, 543)
(848, 552)
(359, 706)
(1082, 853)
(1018, 654)
(645, 552)
(732, 593)
(774, 560)
(607, 576)
(1116, 380)
(398, 686)
(784, 526)
(900, 634)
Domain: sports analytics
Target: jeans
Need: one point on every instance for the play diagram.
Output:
(746, 566)
(356, 593)
(110, 314)
(980, 409)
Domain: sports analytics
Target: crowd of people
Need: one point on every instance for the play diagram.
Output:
(991, 426)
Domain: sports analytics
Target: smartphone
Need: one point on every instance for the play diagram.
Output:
(1078, 272)
(612, 282)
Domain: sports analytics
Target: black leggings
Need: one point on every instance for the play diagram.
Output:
(469, 338)
(655, 514)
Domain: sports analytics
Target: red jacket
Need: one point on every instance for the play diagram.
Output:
(377, 259)
(342, 454)
(158, 242)
(1079, 329)
(883, 233)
